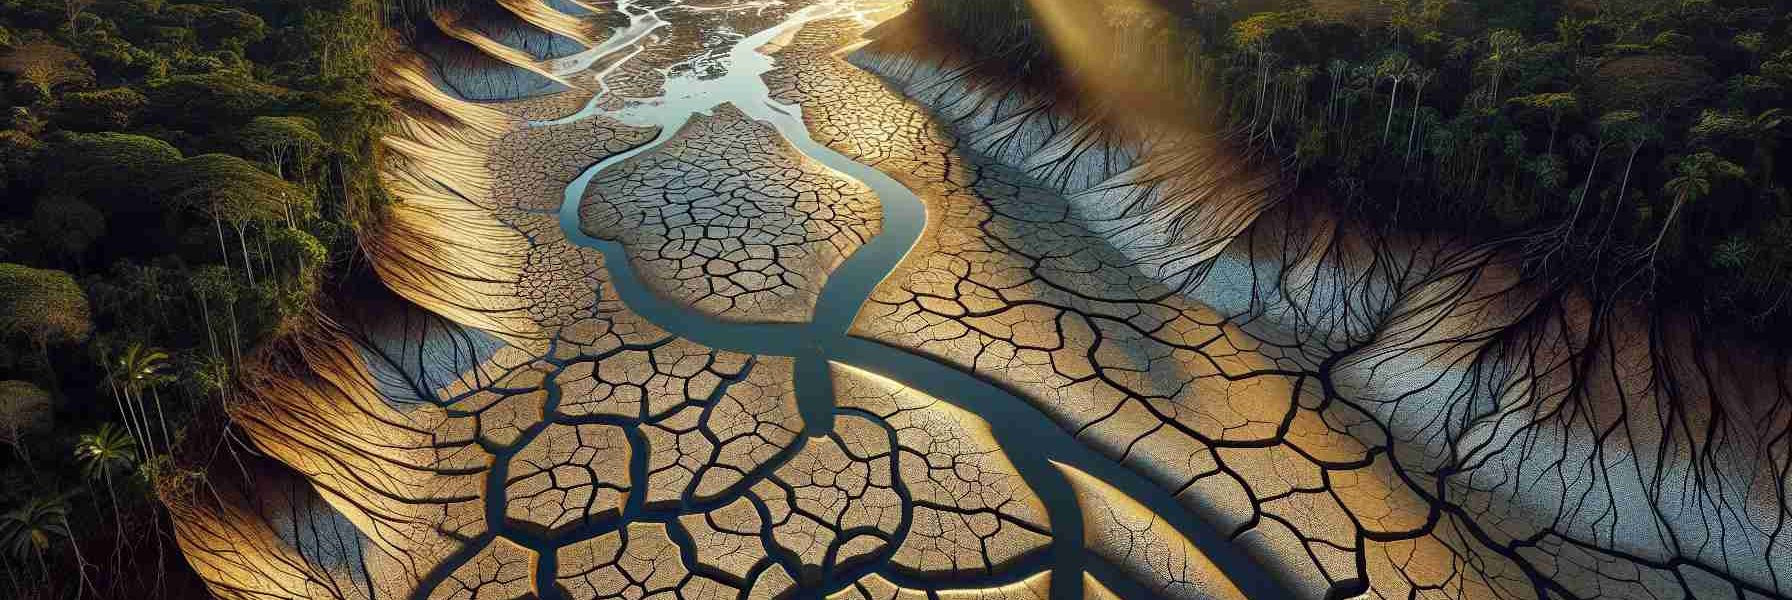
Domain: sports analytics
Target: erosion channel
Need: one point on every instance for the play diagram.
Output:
(689, 305)
(1025, 434)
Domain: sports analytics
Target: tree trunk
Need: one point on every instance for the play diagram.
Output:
(242, 240)
(124, 413)
(1625, 186)
(341, 180)
(236, 348)
(211, 335)
(223, 251)
(1555, 120)
(135, 398)
(117, 522)
(1412, 131)
(267, 257)
(1622, 188)
(156, 530)
(43, 353)
(1393, 100)
(18, 447)
(1586, 188)
(80, 561)
(161, 415)
(1679, 201)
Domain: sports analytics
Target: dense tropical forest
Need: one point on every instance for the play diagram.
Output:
(182, 182)
(1626, 148)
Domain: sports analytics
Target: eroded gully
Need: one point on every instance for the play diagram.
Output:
(1028, 437)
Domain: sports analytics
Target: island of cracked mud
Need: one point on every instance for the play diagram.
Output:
(721, 300)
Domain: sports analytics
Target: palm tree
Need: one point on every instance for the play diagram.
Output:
(1693, 183)
(101, 454)
(102, 352)
(1764, 131)
(1761, 132)
(105, 452)
(29, 530)
(143, 367)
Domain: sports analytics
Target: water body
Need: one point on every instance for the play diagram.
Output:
(1030, 439)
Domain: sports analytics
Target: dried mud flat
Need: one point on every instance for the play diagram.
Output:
(729, 219)
(1034, 401)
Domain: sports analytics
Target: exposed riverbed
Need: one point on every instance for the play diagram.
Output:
(735, 317)
(1031, 440)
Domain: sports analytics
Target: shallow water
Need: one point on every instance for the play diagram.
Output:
(1031, 440)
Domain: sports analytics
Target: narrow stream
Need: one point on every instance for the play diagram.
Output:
(1029, 438)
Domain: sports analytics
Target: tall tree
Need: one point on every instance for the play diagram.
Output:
(74, 8)
(1629, 128)
(30, 530)
(45, 306)
(24, 410)
(145, 368)
(282, 141)
(44, 65)
(103, 454)
(1760, 132)
(1555, 105)
(1503, 49)
(1695, 175)
(234, 190)
(211, 284)
(1397, 67)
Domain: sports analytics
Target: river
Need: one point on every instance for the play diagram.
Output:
(1031, 440)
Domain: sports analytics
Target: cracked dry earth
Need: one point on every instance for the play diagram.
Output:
(1098, 373)
(729, 219)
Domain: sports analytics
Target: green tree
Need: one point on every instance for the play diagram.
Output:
(1653, 83)
(231, 28)
(142, 368)
(43, 305)
(24, 410)
(42, 66)
(296, 253)
(233, 190)
(100, 110)
(1397, 67)
(1629, 128)
(73, 9)
(67, 226)
(1695, 175)
(18, 156)
(214, 284)
(211, 101)
(282, 141)
(31, 529)
(103, 454)
(1504, 47)
(1554, 104)
(110, 169)
(1761, 132)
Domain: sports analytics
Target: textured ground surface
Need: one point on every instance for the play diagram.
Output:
(1358, 417)
(1358, 420)
(729, 219)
